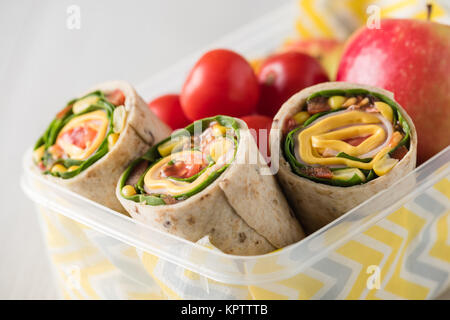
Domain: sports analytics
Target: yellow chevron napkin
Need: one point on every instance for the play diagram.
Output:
(338, 19)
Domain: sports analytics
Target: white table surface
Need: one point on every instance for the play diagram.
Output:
(42, 63)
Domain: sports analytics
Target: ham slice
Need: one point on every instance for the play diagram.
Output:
(356, 141)
(318, 172)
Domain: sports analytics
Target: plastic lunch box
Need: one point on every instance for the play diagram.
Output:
(395, 245)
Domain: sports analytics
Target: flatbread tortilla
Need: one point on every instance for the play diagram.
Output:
(142, 130)
(242, 211)
(317, 204)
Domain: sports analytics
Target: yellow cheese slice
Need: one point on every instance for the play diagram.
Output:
(219, 150)
(157, 184)
(98, 121)
(333, 140)
(329, 133)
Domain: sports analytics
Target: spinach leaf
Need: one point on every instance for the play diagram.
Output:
(344, 155)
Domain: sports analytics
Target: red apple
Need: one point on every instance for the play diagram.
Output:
(410, 58)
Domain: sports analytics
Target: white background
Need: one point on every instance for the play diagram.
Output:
(43, 65)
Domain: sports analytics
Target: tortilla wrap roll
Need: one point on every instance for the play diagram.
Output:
(94, 138)
(339, 144)
(201, 181)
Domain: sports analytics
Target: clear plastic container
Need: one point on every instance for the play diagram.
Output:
(396, 228)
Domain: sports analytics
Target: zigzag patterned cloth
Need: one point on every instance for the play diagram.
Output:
(411, 247)
(338, 19)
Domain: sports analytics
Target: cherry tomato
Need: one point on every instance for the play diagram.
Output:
(257, 122)
(355, 141)
(168, 109)
(116, 97)
(221, 82)
(80, 136)
(282, 75)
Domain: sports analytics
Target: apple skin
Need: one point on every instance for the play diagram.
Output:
(410, 58)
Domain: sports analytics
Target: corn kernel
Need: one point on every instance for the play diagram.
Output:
(347, 174)
(119, 119)
(218, 130)
(363, 102)
(112, 140)
(220, 147)
(84, 103)
(58, 168)
(349, 102)
(38, 153)
(335, 102)
(395, 139)
(301, 117)
(384, 165)
(385, 110)
(73, 168)
(166, 148)
(128, 191)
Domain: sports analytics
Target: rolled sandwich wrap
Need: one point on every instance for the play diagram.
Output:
(201, 181)
(94, 138)
(339, 144)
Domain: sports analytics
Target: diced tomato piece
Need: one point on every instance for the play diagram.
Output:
(80, 136)
(356, 141)
(116, 97)
(56, 151)
(399, 153)
(396, 138)
(41, 165)
(290, 125)
(183, 169)
(319, 172)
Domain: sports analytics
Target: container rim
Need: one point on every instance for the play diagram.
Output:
(298, 255)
